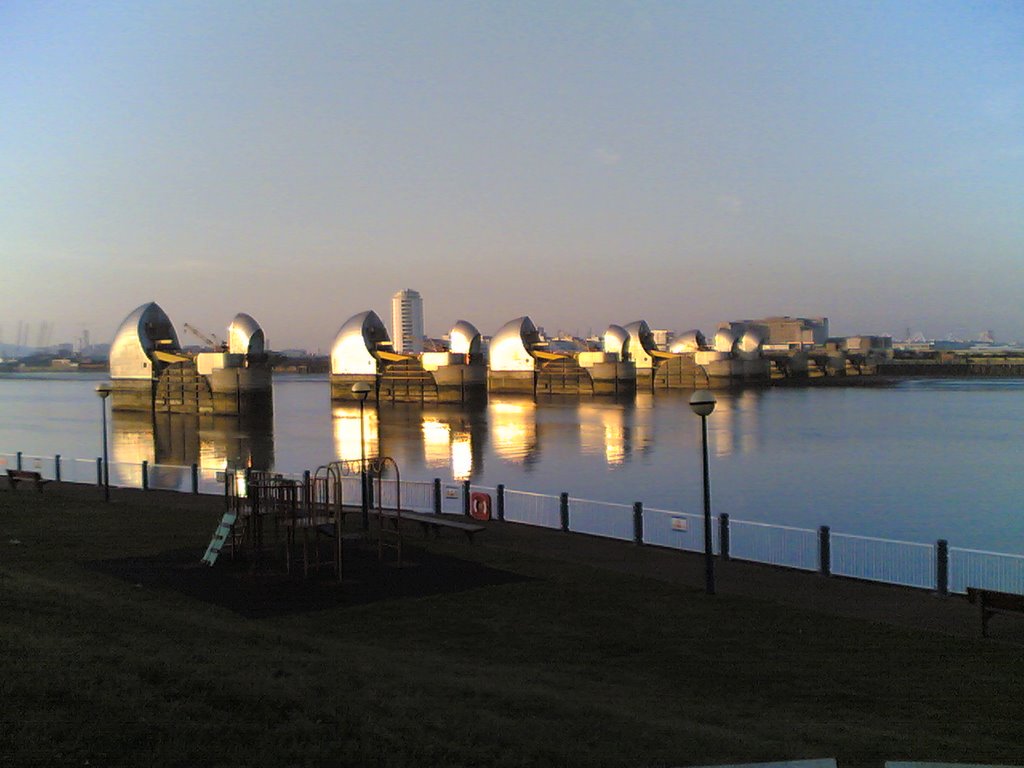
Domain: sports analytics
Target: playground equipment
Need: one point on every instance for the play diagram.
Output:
(266, 513)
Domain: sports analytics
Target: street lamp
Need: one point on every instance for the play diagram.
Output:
(104, 390)
(702, 403)
(361, 389)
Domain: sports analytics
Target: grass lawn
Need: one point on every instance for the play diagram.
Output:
(553, 664)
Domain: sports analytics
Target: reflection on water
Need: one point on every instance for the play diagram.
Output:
(514, 429)
(604, 430)
(349, 433)
(435, 437)
(735, 426)
(172, 439)
(448, 440)
(884, 454)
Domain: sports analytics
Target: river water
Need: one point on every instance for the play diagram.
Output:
(916, 461)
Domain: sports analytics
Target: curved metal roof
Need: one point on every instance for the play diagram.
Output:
(616, 341)
(641, 343)
(511, 347)
(750, 343)
(245, 336)
(725, 340)
(359, 340)
(464, 339)
(146, 329)
(689, 341)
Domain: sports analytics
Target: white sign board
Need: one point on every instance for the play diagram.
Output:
(680, 524)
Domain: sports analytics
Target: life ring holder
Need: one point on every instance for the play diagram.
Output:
(480, 506)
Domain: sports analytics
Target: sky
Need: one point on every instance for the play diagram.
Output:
(584, 163)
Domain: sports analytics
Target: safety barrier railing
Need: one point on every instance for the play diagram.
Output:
(417, 495)
(678, 530)
(986, 570)
(894, 562)
(774, 544)
(79, 470)
(533, 508)
(936, 566)
(600, 518)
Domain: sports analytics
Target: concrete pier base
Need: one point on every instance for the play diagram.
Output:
(512, 382)
(341, 386)
(133, 395)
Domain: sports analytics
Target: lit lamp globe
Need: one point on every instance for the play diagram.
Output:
(361, 389)
(702, 402)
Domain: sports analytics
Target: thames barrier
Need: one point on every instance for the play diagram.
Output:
(151, 371)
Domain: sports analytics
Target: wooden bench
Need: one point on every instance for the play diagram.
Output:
(15, 476)
(990, 602)
(436, 522)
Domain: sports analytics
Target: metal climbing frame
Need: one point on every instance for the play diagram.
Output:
(324, 515)
(389, 522)
(262, 504)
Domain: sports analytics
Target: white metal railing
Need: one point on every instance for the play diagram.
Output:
(78, 470)
(774, 544)
(600, 518)
(893, 562)
(533, 508)
(418, 495)
(678, 530)
(985, 570)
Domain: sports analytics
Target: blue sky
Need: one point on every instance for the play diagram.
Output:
(583, 163)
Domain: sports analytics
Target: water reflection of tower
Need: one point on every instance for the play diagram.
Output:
(737, 423)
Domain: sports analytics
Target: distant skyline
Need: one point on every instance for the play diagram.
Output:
(584, 163)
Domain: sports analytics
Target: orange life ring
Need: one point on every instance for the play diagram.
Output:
(480, 506)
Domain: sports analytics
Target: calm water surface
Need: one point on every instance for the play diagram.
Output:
(917, 461)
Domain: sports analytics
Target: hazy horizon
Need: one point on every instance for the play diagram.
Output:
(582, 163)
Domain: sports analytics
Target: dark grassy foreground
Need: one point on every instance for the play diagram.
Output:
(567, 666)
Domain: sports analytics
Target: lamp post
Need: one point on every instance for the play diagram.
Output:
(104, 390)
(361, 389)
(702, 403)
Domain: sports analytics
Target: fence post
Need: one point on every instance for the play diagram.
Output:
(824, 551)
(501, 501)
(19, 461)
(465, 497)
(195, 478)
(723, 535)
(942, 567)
(56, 467)
(99, 471)
(307, 491)
(563, 509)
(145, 475)
(638, 522)
(437, 495)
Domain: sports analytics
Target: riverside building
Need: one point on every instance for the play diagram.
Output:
(407, 321)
